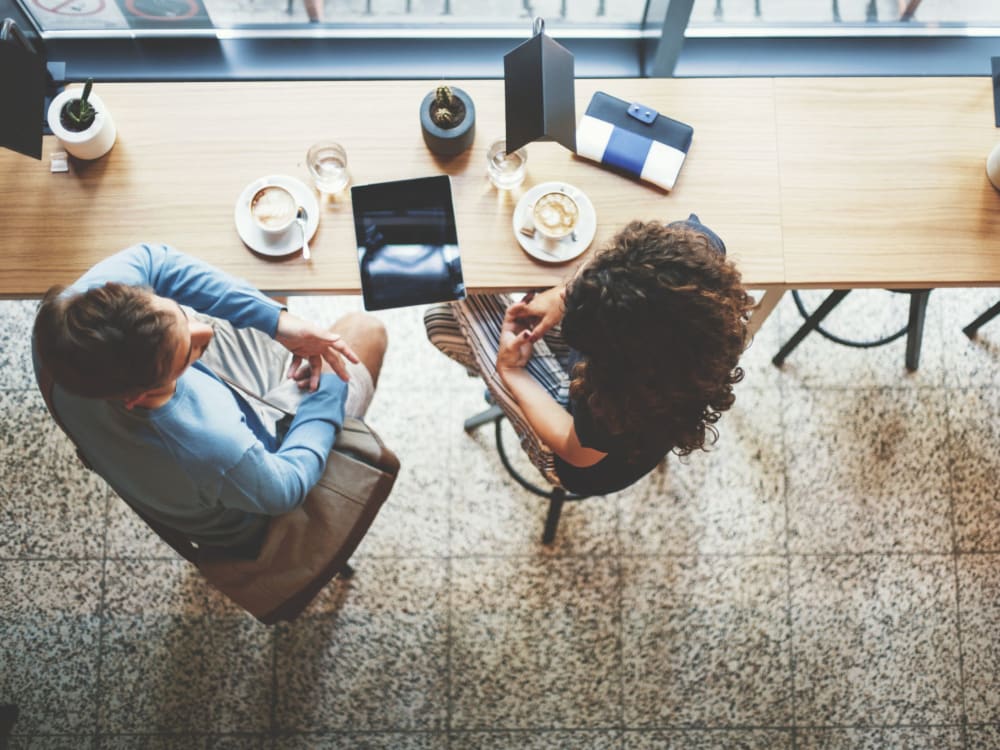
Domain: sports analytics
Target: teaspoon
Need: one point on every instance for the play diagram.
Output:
(300, 219)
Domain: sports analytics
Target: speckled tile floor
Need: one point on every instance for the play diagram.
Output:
(828, 577)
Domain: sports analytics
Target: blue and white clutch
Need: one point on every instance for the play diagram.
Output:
(633, 138)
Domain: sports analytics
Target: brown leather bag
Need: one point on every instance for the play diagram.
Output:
(304, 548)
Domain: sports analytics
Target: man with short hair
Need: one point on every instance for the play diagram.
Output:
(152, 354)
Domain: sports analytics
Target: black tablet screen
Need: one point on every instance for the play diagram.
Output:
(407, 242)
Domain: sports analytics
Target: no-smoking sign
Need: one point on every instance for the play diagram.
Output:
(71, 7)
(148, 14)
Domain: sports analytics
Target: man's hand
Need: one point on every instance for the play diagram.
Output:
(540, 312)
(314, 347)
(515, 342)
(302, 373)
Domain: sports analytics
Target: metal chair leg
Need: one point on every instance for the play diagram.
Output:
(915, 329)
(556, 495)
(835, 298)
(973, 327)
(556, 501)
(484, 417)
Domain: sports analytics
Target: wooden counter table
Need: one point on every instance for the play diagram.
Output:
(834, 182)
(883, 182)
(185, 151)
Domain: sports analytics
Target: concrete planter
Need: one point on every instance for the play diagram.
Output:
(448, 141)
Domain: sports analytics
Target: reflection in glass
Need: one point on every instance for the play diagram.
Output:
(407, 243)
(436, 17)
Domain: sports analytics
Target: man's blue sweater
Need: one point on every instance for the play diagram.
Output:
(198, 464)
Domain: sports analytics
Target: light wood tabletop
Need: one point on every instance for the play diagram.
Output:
(185, 151)
(883, 182)
(835, 182)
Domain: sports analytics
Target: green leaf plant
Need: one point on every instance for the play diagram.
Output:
(79, 113)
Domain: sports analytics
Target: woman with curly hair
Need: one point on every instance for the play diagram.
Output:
(636, 356)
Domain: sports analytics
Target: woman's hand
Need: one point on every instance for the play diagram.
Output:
(515, 343)
(541, 311)
(314, 348)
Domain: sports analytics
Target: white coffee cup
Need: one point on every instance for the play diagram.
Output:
(555, 215)
(273, 209)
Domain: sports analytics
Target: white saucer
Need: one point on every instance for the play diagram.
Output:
(558, 251)
(291, 240)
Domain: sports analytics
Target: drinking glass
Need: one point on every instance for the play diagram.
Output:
(506, 171)
(327, 163)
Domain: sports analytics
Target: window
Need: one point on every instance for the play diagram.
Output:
(831, 17)
(209, 39)
(328, 17)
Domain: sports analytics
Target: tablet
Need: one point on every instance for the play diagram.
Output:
(407, 242)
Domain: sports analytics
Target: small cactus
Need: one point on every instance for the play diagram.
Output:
(443, 117)
(80, 113)
(443, 97)
(447, 110)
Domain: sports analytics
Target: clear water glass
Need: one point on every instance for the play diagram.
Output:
(327, 163)
(506, 171)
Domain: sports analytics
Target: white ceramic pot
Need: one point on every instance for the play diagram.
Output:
(993, 166)
(92, 143)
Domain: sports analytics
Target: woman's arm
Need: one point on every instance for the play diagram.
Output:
(550, 421)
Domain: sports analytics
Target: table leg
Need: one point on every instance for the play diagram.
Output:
(811, 324)
(766, 304)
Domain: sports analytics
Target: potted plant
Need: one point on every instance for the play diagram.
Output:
(82, 122)
(448, 120)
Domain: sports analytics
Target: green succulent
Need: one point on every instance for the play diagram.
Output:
(80, 113)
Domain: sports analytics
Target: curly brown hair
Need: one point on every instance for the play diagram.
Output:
(660, 319)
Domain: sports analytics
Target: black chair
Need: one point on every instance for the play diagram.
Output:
(973, 327)
(913, 331)
(556, 495)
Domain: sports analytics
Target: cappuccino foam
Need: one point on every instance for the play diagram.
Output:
(556, 214)
(273, 207)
